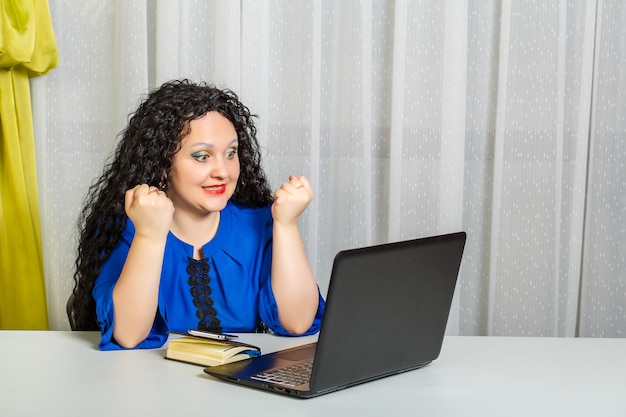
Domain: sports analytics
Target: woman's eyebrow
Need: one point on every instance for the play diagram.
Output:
(210, 145)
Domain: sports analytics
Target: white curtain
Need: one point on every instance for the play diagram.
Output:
(505, 119)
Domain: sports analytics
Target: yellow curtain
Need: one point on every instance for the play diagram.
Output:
(27, 49)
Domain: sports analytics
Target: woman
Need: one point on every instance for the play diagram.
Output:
(182, 231)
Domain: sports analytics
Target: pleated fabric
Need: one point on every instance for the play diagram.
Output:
(27, 49)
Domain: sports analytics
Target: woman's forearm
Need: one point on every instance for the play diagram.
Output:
(135, 296)
(293, 282)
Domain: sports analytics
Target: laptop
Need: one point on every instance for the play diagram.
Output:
(386, 313)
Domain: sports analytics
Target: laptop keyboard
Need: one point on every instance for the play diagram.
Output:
(292, 375)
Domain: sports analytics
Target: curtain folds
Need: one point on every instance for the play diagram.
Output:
(411, 118)
(27, 49)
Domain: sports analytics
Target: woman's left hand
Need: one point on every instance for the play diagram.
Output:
(293, 282)
(291, 199)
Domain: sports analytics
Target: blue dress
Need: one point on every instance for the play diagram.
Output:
(229, 290)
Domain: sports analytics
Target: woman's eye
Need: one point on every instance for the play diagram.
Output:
(231, 154)
(200, 157)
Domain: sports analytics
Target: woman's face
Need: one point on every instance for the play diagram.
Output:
(205, 170)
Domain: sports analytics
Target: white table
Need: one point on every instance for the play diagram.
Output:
(63, 374)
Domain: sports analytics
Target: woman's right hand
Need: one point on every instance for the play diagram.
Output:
(150, 210)
(136, 293)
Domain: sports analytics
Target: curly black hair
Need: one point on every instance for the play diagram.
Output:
(144, 156)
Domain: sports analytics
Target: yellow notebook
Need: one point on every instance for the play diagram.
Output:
(207, 352)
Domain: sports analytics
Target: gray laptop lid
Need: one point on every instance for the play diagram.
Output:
(387, 309)
(386, 312)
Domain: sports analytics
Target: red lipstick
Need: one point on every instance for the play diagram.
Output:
(215, 189)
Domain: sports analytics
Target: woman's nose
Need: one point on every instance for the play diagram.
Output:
(219, 168)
